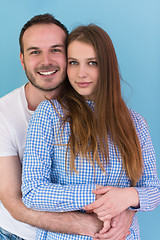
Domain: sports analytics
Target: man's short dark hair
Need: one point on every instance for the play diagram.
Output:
(40, 19)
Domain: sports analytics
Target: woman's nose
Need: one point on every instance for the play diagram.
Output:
(82, 72)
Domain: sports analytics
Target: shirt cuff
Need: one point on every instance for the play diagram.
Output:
(83, 195)
(143, 199)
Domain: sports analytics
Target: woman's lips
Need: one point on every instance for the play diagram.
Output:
(83, 84)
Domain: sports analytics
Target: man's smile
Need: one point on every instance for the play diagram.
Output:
(47, 73)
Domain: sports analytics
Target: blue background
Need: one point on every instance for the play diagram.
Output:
(134, 27)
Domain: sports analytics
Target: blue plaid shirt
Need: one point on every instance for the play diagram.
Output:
(46, 186)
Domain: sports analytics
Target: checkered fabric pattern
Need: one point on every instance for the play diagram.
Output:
(47, 186)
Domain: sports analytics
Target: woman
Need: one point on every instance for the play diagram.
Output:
(89, 139)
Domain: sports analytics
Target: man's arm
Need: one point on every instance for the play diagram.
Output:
(73, 222)
(10, 195)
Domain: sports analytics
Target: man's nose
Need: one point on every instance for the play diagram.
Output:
(46, 59)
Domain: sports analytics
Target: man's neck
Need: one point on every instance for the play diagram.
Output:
(35, 96)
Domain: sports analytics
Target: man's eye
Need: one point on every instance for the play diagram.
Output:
(73, 63)
(35, 52)
(55, 50)
(92, 63)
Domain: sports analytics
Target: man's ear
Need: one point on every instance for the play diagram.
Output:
(22, 59)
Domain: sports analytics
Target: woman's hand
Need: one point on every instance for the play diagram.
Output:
(111, 201)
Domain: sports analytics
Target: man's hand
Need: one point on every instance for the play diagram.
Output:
(119, 227)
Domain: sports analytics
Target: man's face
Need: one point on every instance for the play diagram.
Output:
(44, 58)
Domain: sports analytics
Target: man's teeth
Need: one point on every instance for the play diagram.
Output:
(47, 73)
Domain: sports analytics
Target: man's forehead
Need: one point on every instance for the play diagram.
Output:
(44, 34)
(51, 28)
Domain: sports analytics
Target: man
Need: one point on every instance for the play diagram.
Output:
(43, 57)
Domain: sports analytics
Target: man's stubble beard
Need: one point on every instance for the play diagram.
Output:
(32, 80)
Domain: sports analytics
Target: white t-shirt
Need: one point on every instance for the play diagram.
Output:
(14, 117)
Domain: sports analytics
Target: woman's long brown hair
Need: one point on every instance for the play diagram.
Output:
(90, 129)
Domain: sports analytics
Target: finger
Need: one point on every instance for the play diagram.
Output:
(89, 211)
(128, 233)
(101, 190)
(93, 205)
(105, 218)
(101, 210)
(114, 237)
(105, 228)
(96, 238)
(113, 223)
(110, 234)
(115, 220)
(101, 238)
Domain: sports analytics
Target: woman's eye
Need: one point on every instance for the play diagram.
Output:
(92, 63)
(73, 63)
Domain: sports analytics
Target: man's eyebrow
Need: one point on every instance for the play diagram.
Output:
(57, 45)
(53, 46)
(32, 48)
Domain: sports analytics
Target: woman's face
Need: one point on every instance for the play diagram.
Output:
(82, 68)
